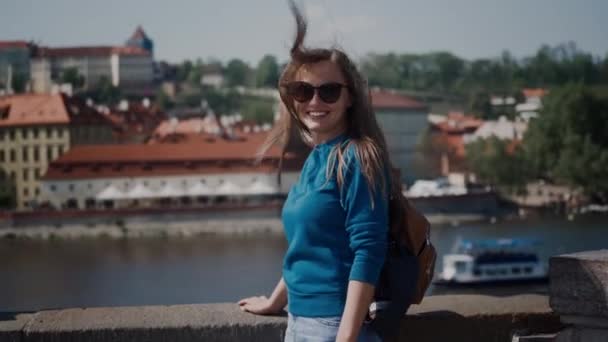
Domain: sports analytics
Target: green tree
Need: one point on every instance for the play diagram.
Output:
(495, 163)
(106, 92)
(267, 72)
(19, 82)
(236, 73)
(568, 142)
(73, 77)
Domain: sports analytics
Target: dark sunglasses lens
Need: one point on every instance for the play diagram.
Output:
(301, 91)
(330, 92)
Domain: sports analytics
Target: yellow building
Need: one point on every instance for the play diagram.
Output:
(36, 129)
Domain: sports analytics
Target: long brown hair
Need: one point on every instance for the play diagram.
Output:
(365, 134)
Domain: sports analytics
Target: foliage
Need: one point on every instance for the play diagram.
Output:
(237, 73)
(73, 77)
(569, 140)
(267, 72)
(495, 163)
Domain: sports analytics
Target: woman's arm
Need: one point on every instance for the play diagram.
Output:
(266, 306)
(358, 298)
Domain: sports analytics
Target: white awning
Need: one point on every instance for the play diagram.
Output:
(261, 188)
(110, 193)
(171, 191)
(140, 191)
(200, 189)
(229, 188)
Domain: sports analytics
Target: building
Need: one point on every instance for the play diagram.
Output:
(198, 171)
(36, 129)
(139, 39)
(14, 64)
(129, 68)
(403, 120)
(135, 122)
(533, 104)
(447, 140)
(502, 128)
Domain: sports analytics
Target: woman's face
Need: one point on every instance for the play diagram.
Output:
(325, 118)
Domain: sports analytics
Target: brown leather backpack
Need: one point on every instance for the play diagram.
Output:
(409, 228)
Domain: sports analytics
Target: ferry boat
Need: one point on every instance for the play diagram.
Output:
(493, 261)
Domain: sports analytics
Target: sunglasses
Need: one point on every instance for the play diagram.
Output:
(304, 91)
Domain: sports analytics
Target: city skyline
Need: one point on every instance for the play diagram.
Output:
(247, 30)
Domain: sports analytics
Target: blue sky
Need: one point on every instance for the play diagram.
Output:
(248, 29)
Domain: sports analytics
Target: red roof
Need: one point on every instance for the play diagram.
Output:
(46, 109)
(534, 92)
(91, 51)
(30, 109)
(384, 99)
(458, 123)
(8, 44)
(193, 156)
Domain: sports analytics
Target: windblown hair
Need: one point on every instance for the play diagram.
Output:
(363, 130)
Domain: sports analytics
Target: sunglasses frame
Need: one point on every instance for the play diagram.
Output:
(315, 89)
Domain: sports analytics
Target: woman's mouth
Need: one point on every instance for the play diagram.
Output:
(317, 114)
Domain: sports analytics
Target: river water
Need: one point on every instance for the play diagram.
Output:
(37, 274)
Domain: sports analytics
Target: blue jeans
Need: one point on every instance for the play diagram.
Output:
(322, 329)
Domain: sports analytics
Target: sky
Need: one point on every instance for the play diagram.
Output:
(248, 29)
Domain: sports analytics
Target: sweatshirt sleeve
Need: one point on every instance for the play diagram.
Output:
(366, 226)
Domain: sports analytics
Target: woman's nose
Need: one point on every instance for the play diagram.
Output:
(315, 98)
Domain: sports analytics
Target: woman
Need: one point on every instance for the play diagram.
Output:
(335, 216)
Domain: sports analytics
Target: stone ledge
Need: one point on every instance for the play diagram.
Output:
(579, 284)
(438, 318)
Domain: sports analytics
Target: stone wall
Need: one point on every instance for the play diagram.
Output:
(439, 318)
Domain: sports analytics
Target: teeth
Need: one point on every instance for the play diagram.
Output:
(317, 113)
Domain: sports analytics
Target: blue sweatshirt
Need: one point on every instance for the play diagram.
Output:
(334, 235)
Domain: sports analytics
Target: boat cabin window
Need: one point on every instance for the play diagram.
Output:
(527, 269)
(461, 266)
(516, 270)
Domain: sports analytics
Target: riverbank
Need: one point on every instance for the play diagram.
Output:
(118, 225)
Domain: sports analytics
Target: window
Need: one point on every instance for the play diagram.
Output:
(37, 173)
(53, 188)
(13, 155)
(49, 153)
(24, 154)
(60, 149)
(35, 132)
(36, 153)
(59, 133)
(37, 191)
(26, 192)
(11, 135)
(71, 187)
(49, 132)
(25, 175)
(2, 156)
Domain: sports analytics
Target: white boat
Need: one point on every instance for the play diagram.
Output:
(492, 261)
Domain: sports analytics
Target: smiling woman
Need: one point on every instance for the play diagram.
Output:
(336, 216)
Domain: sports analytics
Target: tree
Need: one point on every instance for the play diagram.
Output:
(498, 162)
(19, 83)
(267, 72)
(106, 92)
(568, 143)
(236, 73)
(73, 77)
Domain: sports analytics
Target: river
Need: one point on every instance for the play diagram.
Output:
(44, 274)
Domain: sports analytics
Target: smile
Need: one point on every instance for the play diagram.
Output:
(318, 114)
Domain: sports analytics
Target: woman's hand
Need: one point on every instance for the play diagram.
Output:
(259, 305)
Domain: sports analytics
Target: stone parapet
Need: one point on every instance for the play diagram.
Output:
(579, 294)
(438, 318)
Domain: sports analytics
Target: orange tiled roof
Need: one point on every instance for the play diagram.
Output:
(457, 122)
(384, 99)
(534, 92)
(32, 109)
(201, 155)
